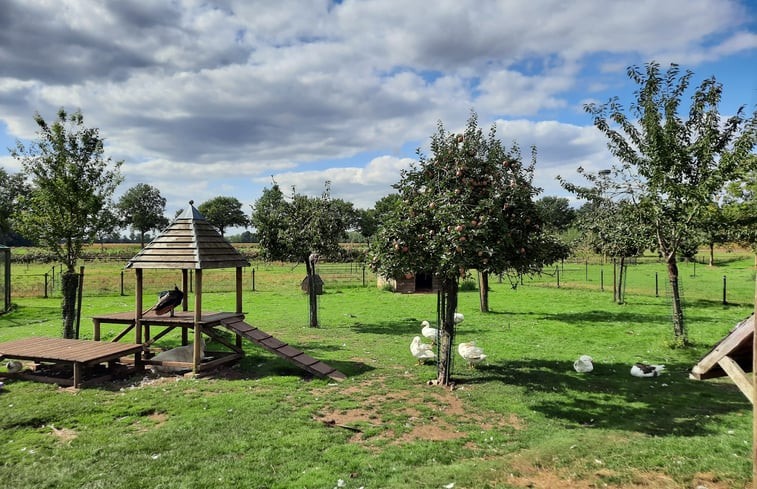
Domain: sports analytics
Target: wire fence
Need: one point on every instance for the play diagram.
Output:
(729, 283)
(103, 279)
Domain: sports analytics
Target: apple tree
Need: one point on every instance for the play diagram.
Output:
(470, 205)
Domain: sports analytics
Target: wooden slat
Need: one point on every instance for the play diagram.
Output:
(282, 349)
(738, 376)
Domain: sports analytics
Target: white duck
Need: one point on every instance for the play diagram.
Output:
(471, 353)
(584, 364)
(430, 332)
(644, 370)
(458, 318)
(421, 351)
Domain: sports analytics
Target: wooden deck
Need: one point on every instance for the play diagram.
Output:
(78, 353)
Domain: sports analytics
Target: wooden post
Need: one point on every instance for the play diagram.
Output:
(184, 303)
(138, 317)
(239, 302)
(80, 291)
(197, 322)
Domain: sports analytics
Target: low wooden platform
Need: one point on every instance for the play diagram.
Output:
(78, 353)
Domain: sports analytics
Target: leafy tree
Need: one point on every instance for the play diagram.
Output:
(673, 167)
(223, 212)
(369, 220)
(715, 226)
(556, 213)
(740, 205)
(142, 208)
(610, 225)
(71, 187)
(12, 188)
(301, 230)
(468, 206)
(269, 217)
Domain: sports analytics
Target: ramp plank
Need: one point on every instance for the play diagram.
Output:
(284, 350)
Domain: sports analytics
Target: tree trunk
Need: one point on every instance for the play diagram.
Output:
(312, 296)
(69, 287)
(679, 329)
(712, 254)
(620, 280)
(483, 289)
(614, 281)
(142, 239)
(447, 336)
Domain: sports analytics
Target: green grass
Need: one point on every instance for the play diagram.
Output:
(524, 417)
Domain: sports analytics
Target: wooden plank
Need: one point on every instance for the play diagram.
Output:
(256, 335)
(735, 372)
(321, 368)
(289, 351)
(740, 334)
(304, 359)
(272, 343)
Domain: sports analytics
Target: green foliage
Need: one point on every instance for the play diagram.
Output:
(142, 208)
(223, 212)
(468, 206)
(293, 229)
(71, 186)
(12, 187)
(671, 167)
(556, 213)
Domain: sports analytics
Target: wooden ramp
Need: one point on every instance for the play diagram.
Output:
(282, 349)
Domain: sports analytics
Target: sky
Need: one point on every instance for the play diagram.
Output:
(220, 98)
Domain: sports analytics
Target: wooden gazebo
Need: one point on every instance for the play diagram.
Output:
(188, 243)
(191, 243)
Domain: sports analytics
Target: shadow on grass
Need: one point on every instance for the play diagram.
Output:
(609, 397)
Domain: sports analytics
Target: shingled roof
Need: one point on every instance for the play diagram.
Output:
(189, 242)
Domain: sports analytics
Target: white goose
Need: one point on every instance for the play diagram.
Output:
(430, 332)
(584, 364)
(421, 351)
(471, 353)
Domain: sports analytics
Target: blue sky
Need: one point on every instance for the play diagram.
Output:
(202, 99)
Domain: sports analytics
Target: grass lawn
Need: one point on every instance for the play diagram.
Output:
(524, 418)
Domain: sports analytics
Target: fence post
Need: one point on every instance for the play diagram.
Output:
(253, 279)
(557, 272)
(190, 279)
(122, 282)
(45, 285)
(724, 290)
(656, 286)
(602, 280)
(364, 275)
(587, 269)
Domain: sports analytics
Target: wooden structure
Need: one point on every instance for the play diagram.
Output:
(191, 243)
(5, 279)
(411, 283)
(188, 243)
(732, 356)
(79, 354)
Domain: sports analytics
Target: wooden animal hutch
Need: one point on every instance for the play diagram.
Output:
(411, 283)
(191, 243)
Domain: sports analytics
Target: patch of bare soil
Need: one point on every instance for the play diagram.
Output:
(159, 419)
(63, 434)
(518, 472)
(423, 417)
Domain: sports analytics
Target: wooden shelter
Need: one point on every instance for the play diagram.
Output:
(191, 243)
(732, 356)
(188, 243)
(411, 283)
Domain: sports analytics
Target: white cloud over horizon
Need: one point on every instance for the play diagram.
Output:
(213, 98)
